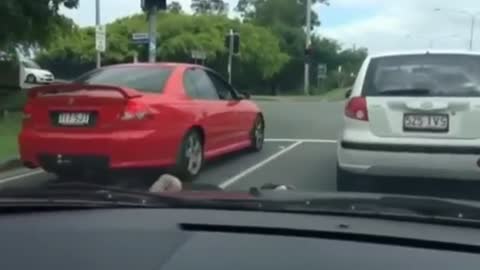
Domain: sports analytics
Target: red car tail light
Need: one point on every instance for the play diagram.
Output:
(135, 110)
(357, 109)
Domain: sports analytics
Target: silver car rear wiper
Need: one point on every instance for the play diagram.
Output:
(405, 92)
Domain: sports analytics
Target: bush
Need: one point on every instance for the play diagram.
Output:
(13, 100)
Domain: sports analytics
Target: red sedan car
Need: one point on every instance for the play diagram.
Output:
(138, 116)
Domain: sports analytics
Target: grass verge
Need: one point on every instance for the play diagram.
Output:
(13, 100)
(335, 94)
(9, 128)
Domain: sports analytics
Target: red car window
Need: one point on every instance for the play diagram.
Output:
(224, 90)
(199, 85)
(145, 79)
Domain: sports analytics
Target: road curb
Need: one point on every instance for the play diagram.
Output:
(10, 164)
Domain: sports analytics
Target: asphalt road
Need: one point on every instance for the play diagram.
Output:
(300, 150)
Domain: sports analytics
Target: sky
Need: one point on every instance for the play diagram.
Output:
(379, 25)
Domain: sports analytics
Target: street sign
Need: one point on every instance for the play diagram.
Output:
(198, 55)
(140, 38)
(322, 71)
(100, 38)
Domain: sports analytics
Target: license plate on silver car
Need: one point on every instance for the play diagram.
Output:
(426, 122)
(73, 119)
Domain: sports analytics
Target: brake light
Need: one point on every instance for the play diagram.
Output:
(135, 110)
(357, 109)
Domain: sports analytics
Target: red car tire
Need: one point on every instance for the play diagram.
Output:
(258, 134)
(190, 158)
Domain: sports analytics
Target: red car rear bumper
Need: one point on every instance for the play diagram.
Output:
(125, 149)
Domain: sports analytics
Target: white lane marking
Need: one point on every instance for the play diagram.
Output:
(301, 140)
(16, 177)
(248, 171)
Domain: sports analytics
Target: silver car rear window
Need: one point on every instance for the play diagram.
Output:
(449, 75)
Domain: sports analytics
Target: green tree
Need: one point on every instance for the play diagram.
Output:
(175, 7)
(270, 12)
(31, 22)
(260, 59)
(217, 7)
(287, 19)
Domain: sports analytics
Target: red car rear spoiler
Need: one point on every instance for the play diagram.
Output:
(70, 87)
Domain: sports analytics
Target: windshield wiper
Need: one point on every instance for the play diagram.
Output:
(386, 206)
(77, 194)
(405, 92)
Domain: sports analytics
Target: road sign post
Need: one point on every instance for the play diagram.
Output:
(199, 55)
(100, 42)
(152, 29)
(308, 42)
(97, 23)
(232, 43)
(321, 74)
(230, 55)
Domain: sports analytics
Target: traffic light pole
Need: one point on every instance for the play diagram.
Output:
(230, 55)
(97, 22)
(307, 47)
(152, 29)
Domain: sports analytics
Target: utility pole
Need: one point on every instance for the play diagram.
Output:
(97, 22)
(473, 17)
(307, 46)
(230, 55)
(152, 29)
(472, 31)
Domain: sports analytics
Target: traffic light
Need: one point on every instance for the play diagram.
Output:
(309, 51)
(236, 43)
(150, 4)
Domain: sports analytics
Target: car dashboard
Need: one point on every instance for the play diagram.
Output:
(178, 239)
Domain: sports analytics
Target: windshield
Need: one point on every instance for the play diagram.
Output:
(229, 98)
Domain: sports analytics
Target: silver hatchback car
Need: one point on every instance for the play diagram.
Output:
(412, 114)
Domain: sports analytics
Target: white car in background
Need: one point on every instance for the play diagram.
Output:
(34, 74)
(412, 114)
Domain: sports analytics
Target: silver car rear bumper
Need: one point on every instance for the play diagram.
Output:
(410, 161)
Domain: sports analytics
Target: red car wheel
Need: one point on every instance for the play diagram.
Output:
(258, 134)
(190, 158)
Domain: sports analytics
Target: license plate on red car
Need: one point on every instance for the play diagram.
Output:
(426, 122)
(73, 119)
